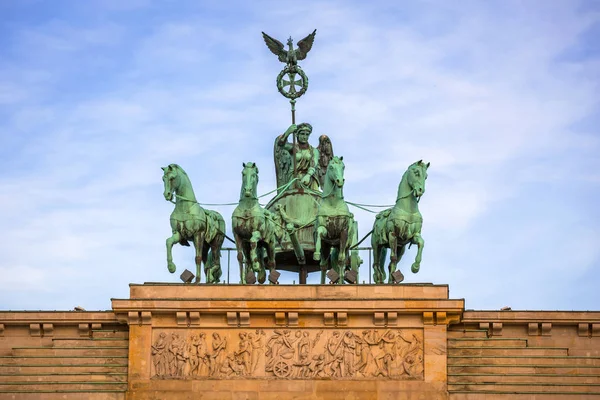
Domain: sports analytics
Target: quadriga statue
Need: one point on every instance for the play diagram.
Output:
(189, 221)
(396, 227)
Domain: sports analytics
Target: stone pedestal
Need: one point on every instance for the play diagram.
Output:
(280, 341)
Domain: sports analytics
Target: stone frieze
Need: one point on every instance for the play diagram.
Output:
(287, 354)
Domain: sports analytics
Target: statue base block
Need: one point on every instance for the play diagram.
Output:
(282, 341)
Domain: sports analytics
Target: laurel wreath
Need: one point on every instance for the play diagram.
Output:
(291, 71)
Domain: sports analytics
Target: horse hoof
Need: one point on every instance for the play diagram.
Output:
(317, 256)
(171, 267)
(415, 268)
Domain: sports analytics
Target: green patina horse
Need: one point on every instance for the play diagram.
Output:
(256, 230)
(189, 221)
(334, 227)
(396, 227)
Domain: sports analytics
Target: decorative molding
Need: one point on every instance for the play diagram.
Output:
(546, 328)
(232, 319)
(84, 329)
(48, 329)
(292, 319)
(194, 318)
(379, 319)
(392, 318)
(238, 318)
(496, 329)
(441, 318)
(428, 318)
(181, 318)
(35, 330)
(385, 318)
(244, 318)
(280, 318)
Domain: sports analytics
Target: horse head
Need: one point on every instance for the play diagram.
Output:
(335, 171)
(416, 176)
(249, 181)
(170, 180)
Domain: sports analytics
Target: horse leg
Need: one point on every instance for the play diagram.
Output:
(418, 240)
(239, 246)
(170, 242)
(256, 264)
(324, 263)
(381, 264)
(393, 241)
(343, 254)
(199, 245)
(271, 256)
(214, 257)
(320, 233)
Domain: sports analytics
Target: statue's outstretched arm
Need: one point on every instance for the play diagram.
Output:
(283, 138)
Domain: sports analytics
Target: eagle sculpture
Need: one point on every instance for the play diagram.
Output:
(291, 55)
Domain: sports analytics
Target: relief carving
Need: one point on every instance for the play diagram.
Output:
(288, 354)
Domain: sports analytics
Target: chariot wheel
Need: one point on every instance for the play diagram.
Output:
(281, 369)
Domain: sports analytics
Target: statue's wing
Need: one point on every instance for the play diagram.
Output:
(276, 47)
(283, 164)
(325, 149)
(305, 45)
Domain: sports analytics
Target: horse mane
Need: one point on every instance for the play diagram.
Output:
(176, 166)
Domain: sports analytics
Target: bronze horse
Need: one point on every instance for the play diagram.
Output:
(189, 221)
(256, 230)
(334, 227)
(396, 227)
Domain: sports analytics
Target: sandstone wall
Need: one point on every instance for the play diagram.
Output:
(525, 355)
(62, 355)
(298, 342)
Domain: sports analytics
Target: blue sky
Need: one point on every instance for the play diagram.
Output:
(502, 97)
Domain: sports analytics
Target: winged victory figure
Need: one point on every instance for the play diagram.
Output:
(291, 55)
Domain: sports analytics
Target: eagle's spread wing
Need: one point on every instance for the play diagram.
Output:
(276, 47)
(304, 45)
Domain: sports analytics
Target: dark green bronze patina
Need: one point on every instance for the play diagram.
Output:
(334, 227)
(257, 231)
(189, 221)
(396, 227)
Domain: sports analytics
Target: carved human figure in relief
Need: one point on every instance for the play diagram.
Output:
(159, 355)
(181, 356)
(257, 340)
(218, 355)
(364, 355)
(349, 351)
(172, 354)
(243, 354)
(231, 366)
(192, 350)
(203, 356)
(307, 158)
